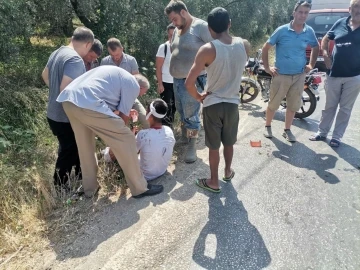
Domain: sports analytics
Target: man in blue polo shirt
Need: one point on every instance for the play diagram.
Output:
(343, 81)
(290, 67)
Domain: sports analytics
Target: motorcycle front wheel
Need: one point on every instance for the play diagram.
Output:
(308, 104)
(249, 90)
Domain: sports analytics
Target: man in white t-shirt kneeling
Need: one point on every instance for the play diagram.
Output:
(155, 144)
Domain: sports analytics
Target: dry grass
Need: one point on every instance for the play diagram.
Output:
(31, 210)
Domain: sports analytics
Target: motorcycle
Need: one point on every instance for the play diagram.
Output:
(250, 87)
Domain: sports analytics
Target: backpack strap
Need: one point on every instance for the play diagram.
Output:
(165, 49)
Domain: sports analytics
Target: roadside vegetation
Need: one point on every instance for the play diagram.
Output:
(30, 209)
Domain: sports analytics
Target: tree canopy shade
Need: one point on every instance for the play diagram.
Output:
(139, 24)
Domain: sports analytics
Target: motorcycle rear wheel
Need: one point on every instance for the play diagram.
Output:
(309, 105)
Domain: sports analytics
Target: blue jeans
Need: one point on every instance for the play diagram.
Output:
(186, 105)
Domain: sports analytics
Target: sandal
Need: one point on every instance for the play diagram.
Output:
(334, 143)
(317, 137)
(228, 179)
(202, 183)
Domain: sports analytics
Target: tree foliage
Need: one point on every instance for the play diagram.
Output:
(139, 24)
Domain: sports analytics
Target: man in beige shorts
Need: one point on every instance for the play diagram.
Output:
(290, 68)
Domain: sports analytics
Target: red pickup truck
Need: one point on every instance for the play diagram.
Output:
(321, 21)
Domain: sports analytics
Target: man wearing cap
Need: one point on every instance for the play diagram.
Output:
(290, 67)
(99, 103)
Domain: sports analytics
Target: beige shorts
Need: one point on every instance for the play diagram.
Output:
(289, 86)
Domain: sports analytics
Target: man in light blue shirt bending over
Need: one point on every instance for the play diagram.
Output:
(99, 103)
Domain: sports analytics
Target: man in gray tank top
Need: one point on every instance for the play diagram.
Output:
(224, 60)
(190, 34)
(64, 65)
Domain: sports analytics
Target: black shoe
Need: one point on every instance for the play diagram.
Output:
(152, 190)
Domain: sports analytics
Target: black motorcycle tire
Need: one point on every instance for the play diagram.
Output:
(312, 105)
(248, 97)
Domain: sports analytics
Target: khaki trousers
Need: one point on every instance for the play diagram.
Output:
(116, 135)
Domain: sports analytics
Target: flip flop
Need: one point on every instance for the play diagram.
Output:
(334, 143)
(317, 137)
(227, 179)
(202, 183)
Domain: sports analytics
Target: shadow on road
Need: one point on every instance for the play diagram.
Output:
(301, 156)
(249, 107)
(350, 154)
(104, 219)
(229, 240)
(306, 123)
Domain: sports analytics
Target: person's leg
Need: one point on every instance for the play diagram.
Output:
(293, 103)
(279, 87)
(85, 139)
(229, 135)
(168, 97)
(121, 140)
(349, 94)
(228, 157)
(294, 98)
(214, 160)
(178, 97)
(142, 113)
(191, 108)
(213, 124)
(67, 151)
(333, 88)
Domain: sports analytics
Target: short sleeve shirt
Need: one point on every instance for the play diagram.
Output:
(185, 47)
(290, 48)
(103, 89)
(156, 149)
(346, 52)
(166, 76)
(128, 63)
(65, 61)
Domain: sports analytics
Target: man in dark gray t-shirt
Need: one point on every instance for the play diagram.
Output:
(64, 65)
(190, 34)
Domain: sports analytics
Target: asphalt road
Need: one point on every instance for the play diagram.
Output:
(289, 206)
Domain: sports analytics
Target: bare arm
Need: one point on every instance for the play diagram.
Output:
(122, 116)
(159, 64)
(265, 59)
(135, 72)
(45, 76)
(205, 56)
(65, 82)
(313, 57)
(247, 47)
(325, 50)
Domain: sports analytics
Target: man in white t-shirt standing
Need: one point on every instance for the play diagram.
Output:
(165, 80)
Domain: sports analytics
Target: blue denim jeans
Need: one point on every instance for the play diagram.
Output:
(186, 105)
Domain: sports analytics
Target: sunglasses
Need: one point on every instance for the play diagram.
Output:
(303, 1)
